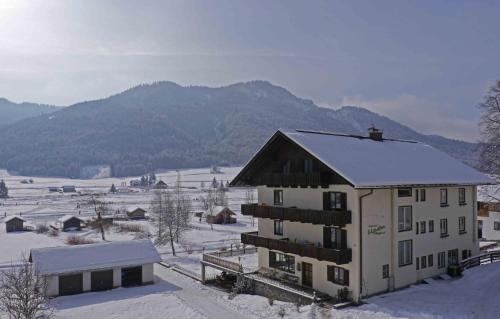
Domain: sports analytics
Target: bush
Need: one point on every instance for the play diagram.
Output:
(282, 311)
(78, 240)
(129, 227)
(41, 228)
(53, 232)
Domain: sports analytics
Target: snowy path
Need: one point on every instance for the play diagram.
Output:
(198, 297)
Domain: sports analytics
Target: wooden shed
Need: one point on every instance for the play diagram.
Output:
(222, 215)
(161, 185)
(14, 223)
(70, 222)
(137, 213)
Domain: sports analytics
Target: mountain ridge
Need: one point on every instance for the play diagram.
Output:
(165, 125)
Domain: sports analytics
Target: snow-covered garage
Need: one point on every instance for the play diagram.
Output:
(95, 267)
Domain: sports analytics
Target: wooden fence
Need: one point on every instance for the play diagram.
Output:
(224, 263)
(482, 259)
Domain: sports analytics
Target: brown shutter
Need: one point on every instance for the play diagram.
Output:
(346, 277)
(272, 259)
(326, 201)
(329, 273)
(343, 238)
(343, 203)
(327, 237)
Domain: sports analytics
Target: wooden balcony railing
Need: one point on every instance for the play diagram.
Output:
(295, 179)
(317, 217)
(338, 256)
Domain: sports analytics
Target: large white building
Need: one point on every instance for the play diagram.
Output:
(359, 212)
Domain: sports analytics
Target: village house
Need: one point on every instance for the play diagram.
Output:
(70, 222)
(353, 216)
(71, 270)
(221, 215)
(69, 189)
(14, 223)
(137, 213)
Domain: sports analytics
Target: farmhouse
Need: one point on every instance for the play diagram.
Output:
(352, 216)
(137, 213)
(70, 222)
(14, 223)
(222, 215)
(161, 185)
(71, 270)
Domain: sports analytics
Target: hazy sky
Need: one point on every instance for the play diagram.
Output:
(424, 63)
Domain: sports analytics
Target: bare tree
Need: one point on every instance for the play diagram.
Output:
(209, 202)
(490, 131)
(23, 292)
(183, 209)
(101, 207)
(250, 199)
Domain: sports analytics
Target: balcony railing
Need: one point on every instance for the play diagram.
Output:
(338, 256)
(295, 179)
(317, 217)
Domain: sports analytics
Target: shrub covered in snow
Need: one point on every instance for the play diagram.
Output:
(78, 240)
(41, 229)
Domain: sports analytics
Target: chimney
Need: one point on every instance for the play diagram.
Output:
(375, 134)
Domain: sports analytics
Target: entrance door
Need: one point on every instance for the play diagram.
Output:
(453, 257)
(101, 280)
(307, 274)
(132, 276)
(70, 284)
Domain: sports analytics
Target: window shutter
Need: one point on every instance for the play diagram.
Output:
(343, 238)
(346, 277)
(327, 237)
(326, 201)
(329, 273)
(343, 197)
(272, 259)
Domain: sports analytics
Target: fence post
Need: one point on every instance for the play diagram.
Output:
(491, 258)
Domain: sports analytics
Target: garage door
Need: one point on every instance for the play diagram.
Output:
(70, 284)
(131, 276)
(101, 280)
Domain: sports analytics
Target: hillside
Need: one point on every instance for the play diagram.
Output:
(164, 125)
(11, 112)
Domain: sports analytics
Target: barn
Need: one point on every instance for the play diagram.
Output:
(221, 215)
(70, 270)
(70, 222)
(137, 213)
(14, 223)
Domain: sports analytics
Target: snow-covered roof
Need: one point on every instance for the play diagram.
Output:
(8, 219)
(367, 163)
(68, 259)
(65, 218)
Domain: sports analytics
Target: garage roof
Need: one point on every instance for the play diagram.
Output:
(73, 259)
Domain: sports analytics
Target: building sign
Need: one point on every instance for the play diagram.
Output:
(376, 229)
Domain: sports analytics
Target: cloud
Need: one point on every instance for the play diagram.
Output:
(423, 115)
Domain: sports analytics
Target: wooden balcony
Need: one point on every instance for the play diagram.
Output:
(338, 256)
(295, 179)
(317, 217)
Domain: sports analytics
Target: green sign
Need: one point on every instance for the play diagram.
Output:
(376, 229)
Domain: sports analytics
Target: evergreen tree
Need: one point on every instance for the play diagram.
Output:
(113, 189)
(214, 183)
(4, 191)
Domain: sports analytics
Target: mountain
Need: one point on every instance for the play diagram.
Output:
(164, 125)
(11, 112)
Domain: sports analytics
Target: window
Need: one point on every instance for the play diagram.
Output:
(452, 257)
(308, 165)
(416, 228)
(496, 225)
(278, 227)
(416, 195)
(431, 226)
(461, 225)
(444, 197)
(282, 262)
(423, 262)
(385, 271)
(461, 196)
(405, 252)
(422, 227)
(278, 197)
(430, 260)
(465, 254)
(404, 218)
(417, 264)
(404, 192)
(443, 226)
(422, 195)
(441, 259)
(334, 200)
(338, 238)
(287, 165)
(338, 275)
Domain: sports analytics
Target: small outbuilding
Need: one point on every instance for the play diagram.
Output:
(70, 270)
(137, 213)
(221, 215)
(14, 223)
(70, 222)
(69, 189)
(161, 185)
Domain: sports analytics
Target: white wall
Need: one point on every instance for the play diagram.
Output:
(52, 285)
(147, 274)
(117, 277)
(489, 231)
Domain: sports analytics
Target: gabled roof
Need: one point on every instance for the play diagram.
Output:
(65, 218)
(366, 163)
(8, 219)
(68, 259)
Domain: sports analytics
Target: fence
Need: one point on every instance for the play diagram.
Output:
(482, 259)
(224, 263)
